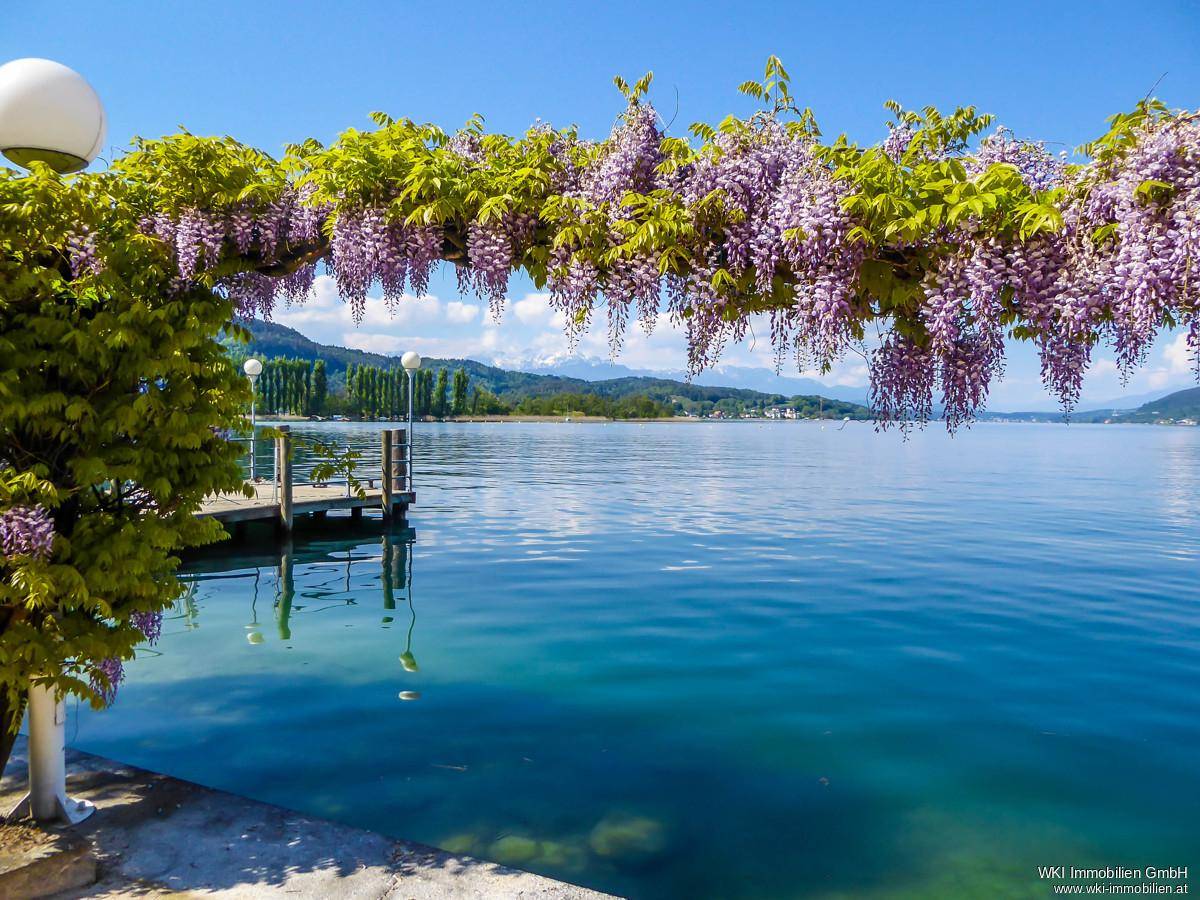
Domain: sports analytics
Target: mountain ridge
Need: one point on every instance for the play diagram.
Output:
(592, 368)
(271, 339)
(1184, 404)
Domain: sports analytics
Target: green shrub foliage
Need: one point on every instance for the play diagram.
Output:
(114, 393)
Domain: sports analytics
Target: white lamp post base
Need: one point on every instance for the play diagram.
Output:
(47, 799)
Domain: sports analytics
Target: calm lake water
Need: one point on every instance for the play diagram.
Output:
(720, 660)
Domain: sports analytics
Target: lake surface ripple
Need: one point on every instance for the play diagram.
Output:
(719, 660)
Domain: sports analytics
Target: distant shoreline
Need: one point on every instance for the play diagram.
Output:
(675, 420)
(552, 420)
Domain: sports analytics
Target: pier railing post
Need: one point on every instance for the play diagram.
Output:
(283, 452)
(386, 485)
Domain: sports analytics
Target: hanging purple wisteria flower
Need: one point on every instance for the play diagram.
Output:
(149, 624)
(899, 139)
(82, 253)
(1039, 169)
(106, 677)
(27, 531)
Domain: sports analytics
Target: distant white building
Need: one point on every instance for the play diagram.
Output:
(782, 412)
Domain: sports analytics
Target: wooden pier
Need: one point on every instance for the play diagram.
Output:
(281, 500)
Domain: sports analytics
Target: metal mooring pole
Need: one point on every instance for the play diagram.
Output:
(47, 799)
(408, 462)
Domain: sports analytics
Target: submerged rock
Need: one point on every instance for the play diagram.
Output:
(562, 856)
(628, 838)
(462, 845)
(513, 850)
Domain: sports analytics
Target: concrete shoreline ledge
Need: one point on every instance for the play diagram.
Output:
(157, 836)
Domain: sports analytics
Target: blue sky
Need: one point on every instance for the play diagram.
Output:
(271, 72)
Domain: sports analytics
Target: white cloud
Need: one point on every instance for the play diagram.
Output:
(325, 307)
(373, 343)
(325, 291)
(385, 328)
(533, 309)
(851, 371)
(1178, 355)
(459, 313)
(482, 348)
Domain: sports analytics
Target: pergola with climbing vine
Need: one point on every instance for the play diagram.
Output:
(925, 252)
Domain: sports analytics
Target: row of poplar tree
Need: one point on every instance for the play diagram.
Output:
(296, 386)
(301, 387)
(373, 392)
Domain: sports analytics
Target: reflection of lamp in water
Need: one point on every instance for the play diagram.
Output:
(406, 658)
(253, 635)
(393, 559)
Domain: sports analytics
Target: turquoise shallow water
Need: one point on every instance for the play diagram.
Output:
(720, 660)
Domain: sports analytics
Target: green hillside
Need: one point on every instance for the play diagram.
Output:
(271, 340)
(1183, 404)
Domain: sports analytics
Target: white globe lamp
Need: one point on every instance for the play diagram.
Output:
(50, 114)
(252, 367)
(411, 360)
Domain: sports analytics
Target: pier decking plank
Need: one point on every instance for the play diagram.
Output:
(305, 499)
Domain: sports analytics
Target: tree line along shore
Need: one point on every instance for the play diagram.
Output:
(307, 388)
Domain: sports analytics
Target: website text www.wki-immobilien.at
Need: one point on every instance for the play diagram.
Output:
(1114, 880)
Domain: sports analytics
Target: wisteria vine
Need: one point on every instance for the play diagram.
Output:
(925, 253)
(27, 532)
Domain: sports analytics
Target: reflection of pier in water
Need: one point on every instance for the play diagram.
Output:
(394, 559)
